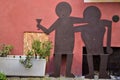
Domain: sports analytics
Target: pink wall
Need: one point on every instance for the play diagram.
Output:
(18, 16)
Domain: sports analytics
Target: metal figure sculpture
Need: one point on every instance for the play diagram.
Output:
(92, 35)
(64, 37)
(115, 18)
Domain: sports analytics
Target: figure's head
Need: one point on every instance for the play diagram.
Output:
(92, 14)
(63, 9)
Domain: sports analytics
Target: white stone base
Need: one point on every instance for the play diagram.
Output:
(12, 67)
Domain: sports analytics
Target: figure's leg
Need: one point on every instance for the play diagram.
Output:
(90, 66)
(103, 66)
(69, 65)
(57, 65)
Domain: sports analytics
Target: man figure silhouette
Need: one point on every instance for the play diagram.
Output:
(64, 37)
(92, 35)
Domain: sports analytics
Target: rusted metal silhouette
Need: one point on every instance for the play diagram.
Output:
(64, 37)
(115, 18)
(92, 35)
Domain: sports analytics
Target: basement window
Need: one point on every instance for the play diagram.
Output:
(30, 36)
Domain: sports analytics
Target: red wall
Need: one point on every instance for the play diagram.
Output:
(18, 16)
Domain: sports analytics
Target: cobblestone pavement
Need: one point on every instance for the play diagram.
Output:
(51, 78)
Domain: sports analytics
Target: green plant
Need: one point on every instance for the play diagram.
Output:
(27, 62)
(2, 76)
(42, 49)
(5, 50)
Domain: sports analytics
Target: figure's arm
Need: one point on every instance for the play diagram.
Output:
(80, 28)
(78, 20)
(42, 28)
(108, 24)
(45, 30)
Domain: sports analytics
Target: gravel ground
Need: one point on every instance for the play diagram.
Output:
(52, 78)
